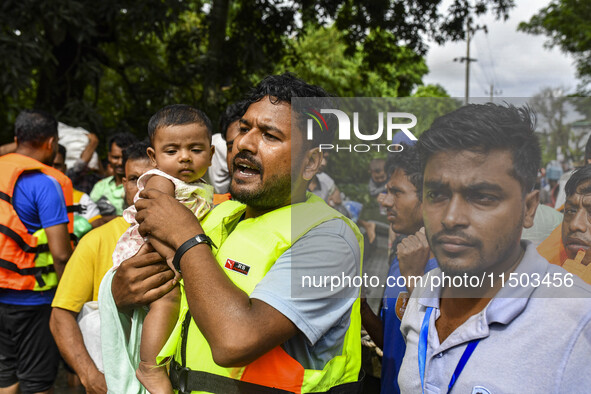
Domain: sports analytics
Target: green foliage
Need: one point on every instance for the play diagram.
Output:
(410, 21)
(320, 57)
(566, 23)
(350, 171)
(71, 57)
(557, 119)
(109, 65)
(430, 91)
(550, 108)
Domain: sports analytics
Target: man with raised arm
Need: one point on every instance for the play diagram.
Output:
(246, 322)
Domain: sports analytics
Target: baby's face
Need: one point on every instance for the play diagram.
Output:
(183, 151)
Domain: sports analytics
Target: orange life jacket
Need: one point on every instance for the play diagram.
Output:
(20, 267)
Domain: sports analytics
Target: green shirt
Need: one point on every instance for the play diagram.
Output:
(108, 188)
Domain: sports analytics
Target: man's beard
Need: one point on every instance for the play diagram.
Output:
(272, 194)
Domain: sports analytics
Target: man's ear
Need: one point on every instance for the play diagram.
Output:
(532, 200)
(152, 156)
(313, 160)
(48, 146)
(211, 155)
(49, 142)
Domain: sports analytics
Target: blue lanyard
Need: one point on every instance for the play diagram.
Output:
(423, 338)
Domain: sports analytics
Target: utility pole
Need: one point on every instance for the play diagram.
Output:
(492, 92)
(469, 31)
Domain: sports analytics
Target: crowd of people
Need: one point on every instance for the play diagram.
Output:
(180, 266)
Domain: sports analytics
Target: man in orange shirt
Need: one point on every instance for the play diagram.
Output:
(575, 233)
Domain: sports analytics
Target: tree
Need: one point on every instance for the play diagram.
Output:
(109, 65)
(320, 57)
(550, 108)
(566, 23)
(563, 123)
(59, 54)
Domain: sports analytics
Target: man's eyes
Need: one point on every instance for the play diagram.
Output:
(475, 197)
(570, 211)
(483, 197)
(434, 195)
(270, 136)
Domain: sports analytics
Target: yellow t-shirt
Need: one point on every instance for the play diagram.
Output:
(90, 261)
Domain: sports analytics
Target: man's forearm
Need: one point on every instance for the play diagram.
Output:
(59, 265)
(60, 248)
(230, 311)
(68, 338)
(372, 324)
(86, 154)
(219, 307)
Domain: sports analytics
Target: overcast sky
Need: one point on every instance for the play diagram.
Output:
(516, 63)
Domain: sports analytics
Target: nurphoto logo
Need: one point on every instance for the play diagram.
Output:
(391, 125)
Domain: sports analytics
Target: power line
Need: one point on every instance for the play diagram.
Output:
(483, 70)
(469, 32)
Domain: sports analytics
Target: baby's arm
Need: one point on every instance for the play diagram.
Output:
(160, 183)
(164, 185)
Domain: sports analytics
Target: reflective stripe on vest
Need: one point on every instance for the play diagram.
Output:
(25, 261)
(240, 241)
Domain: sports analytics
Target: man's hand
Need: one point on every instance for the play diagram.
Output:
(141, 279)
(261, 326)
(95, 383)
(413, 253)
(93, 142)
(159, 212)
(68, 338)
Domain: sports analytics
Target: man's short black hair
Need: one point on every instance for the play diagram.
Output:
(284, 87)
(232, 113)
(34, 126)
(177, 115)
(487, 127)
(136, 151)
(61, 150)
(122, 140)
(408, 161)
(580, 176)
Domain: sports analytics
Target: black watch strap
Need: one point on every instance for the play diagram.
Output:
(193, 241)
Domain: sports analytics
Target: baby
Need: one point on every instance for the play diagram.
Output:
(181, 151)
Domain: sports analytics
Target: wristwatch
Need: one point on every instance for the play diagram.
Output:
(193, 241)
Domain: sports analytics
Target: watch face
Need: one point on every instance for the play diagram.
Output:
(204, 239)
(201, 238)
